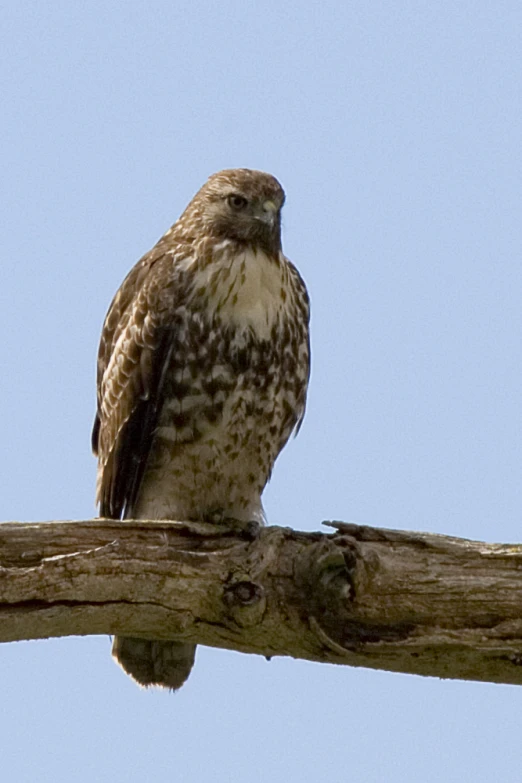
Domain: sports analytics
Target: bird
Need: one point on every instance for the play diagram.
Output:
(202, 375)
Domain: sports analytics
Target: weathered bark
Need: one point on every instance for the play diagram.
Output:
(406, 602)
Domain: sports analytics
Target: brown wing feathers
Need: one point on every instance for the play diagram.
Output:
(134, 352)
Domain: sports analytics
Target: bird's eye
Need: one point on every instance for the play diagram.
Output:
(237, 202)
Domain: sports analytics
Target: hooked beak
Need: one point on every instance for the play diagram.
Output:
(268, 212)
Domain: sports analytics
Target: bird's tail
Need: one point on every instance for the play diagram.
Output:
(167, 664)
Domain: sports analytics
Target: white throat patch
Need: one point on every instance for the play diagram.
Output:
(247, 289)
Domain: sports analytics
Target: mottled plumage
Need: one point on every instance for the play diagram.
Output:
(202, 375)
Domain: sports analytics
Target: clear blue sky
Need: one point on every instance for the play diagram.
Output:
(396, 129)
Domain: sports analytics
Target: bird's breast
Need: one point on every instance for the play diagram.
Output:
(247, 289)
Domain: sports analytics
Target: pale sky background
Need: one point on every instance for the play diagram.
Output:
(396, 130)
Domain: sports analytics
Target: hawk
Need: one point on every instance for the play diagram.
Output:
(202, 375)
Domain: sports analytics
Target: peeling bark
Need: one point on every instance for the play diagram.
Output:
(407, 602)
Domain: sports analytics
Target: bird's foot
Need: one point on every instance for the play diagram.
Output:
(249, 529)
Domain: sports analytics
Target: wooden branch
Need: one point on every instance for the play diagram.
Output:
(406, 602)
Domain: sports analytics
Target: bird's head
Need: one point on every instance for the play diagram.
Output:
(241, 205)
